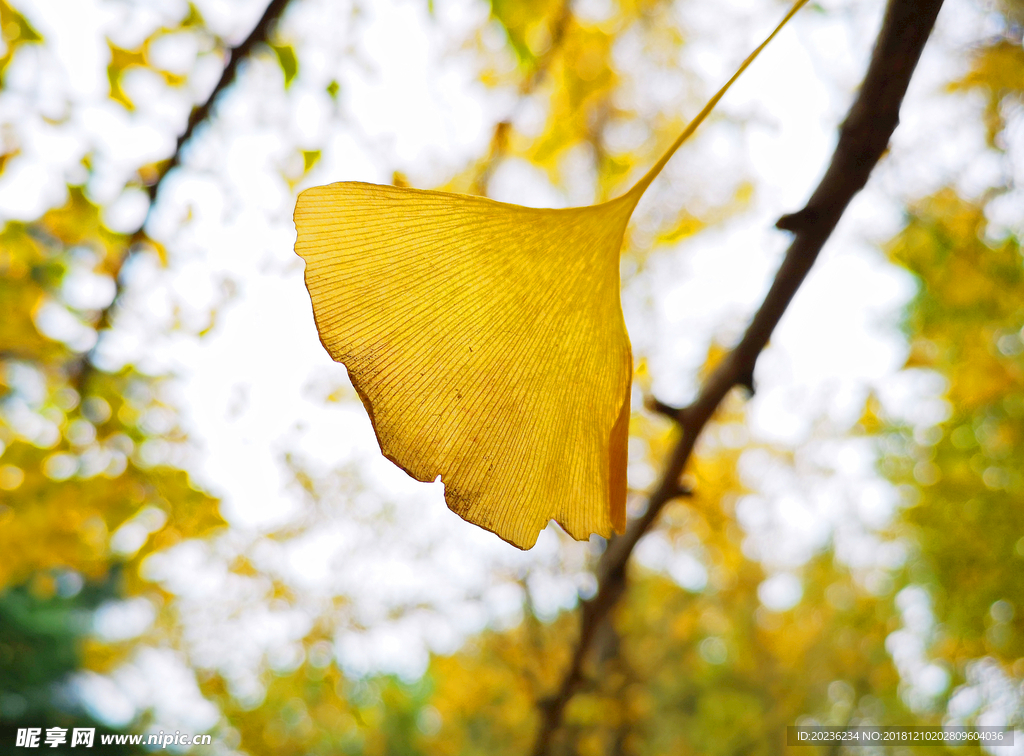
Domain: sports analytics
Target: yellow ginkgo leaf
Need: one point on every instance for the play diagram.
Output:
(486, 341)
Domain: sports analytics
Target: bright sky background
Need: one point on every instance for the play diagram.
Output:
(252, 391)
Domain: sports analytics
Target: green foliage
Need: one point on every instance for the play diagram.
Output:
(39, 646)
(44, 625)
(966, 324)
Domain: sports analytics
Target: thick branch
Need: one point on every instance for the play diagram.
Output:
(863, 139)
(200, 114)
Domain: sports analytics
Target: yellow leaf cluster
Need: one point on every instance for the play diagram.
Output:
(70, 470)
(581, 81)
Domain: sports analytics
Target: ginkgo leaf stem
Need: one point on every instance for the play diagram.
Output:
(697, 120)
(863, 139)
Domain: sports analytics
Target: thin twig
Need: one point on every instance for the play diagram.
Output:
(863, 139)
(200, 114)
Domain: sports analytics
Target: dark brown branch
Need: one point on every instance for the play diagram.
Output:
(200, 114)
(863, 139)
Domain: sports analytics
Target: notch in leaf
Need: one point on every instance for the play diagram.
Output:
(486, 341)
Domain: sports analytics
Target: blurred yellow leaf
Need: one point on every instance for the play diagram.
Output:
(120, 61)
(486, 341)
(288, 61)
(15, 31)
(529, 25)
(998, 71)
(309, 159)
(686, 225)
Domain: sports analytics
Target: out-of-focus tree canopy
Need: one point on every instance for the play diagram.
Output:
(136, 596)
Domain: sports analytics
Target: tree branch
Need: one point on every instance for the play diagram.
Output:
(863, 139)
(200, 114)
